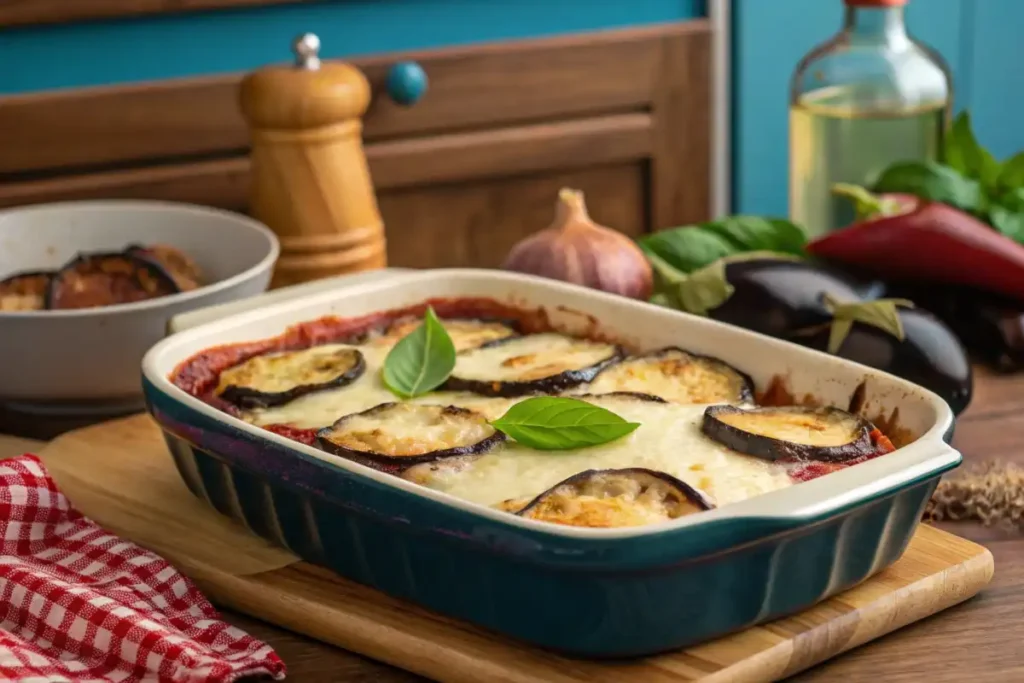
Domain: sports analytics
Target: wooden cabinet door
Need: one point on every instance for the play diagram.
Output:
(475, 224)
(461, 176)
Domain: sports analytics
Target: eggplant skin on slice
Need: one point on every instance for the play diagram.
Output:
(393, 436)
(466, 333)
(176, 263)
(616, 498)
(274, 379)
(531, 364)
(621, 396)
(790, 432)
(24, 291)
(91, 280)
(677, 376)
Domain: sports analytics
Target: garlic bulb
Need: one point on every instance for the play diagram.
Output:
(575, 249)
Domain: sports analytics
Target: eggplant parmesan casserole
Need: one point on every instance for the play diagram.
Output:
(91, 280)
(702, 441)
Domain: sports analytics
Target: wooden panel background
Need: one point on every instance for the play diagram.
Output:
(27, 12)
(470, 88)
(496, 214)
(624, 115)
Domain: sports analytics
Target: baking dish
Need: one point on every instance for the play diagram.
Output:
(582, 592)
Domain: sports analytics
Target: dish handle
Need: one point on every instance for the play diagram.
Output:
(190, 319)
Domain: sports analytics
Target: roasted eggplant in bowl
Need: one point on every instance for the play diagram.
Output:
(549, 507)
(87, 287)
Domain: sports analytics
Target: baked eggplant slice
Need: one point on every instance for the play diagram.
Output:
(677, 376)
(91, 280)
(398, 435)
(430, 473)
(613, 396)
(616, 498)
(24, 291)
(790, 432)
(531, 364)
(466, 333)
(176, 263)
(273, 379)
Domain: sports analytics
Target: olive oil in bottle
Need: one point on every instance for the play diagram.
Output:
(841, 144)
(867, 98)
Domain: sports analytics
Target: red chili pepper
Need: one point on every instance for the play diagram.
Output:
(928, 241)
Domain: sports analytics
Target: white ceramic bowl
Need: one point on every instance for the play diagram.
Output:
(91, 356)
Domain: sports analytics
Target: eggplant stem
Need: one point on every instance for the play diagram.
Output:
(830, 301)
(866, 204)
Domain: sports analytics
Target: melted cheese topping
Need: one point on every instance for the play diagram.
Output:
(530, 358)
(277, 372)
(21, 302)
(612, 499)
(465, 334)
(404, 430)
(668, 440)
(23, 292)
(510, 475)
(674, 376)
(812, 428)
(323, 408)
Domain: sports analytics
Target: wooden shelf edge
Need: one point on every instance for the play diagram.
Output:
(394, 165)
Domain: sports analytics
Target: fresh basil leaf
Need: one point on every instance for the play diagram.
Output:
(552, 423)
(1012, 174)
(1005, 212)
(421, 361)
(692, 247)
(1012, 199)
(931, 181)
(754, 233)
(688, 248)
(963, 153)
(1007, 221)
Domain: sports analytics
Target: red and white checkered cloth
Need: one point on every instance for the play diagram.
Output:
(80, 604)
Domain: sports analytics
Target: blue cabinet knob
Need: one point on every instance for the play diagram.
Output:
(407, 82)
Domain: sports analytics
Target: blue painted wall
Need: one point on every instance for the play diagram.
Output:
(42, 58)
(980, 39)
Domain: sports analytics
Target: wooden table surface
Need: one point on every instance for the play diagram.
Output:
(980, 640)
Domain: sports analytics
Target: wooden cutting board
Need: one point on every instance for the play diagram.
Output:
(120, 474)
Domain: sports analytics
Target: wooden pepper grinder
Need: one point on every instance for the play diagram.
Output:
(310, 181)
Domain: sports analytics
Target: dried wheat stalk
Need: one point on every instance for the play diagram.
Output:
(992, 493)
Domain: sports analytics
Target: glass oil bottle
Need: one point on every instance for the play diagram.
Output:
(868, 97)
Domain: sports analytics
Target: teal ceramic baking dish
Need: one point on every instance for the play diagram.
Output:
(595, 593)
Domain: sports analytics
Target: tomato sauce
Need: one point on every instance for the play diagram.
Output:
(813, 470)
(199, 374)
(306, 436)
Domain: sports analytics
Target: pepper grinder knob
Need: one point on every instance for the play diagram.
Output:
(310, 181)
(307, 51)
